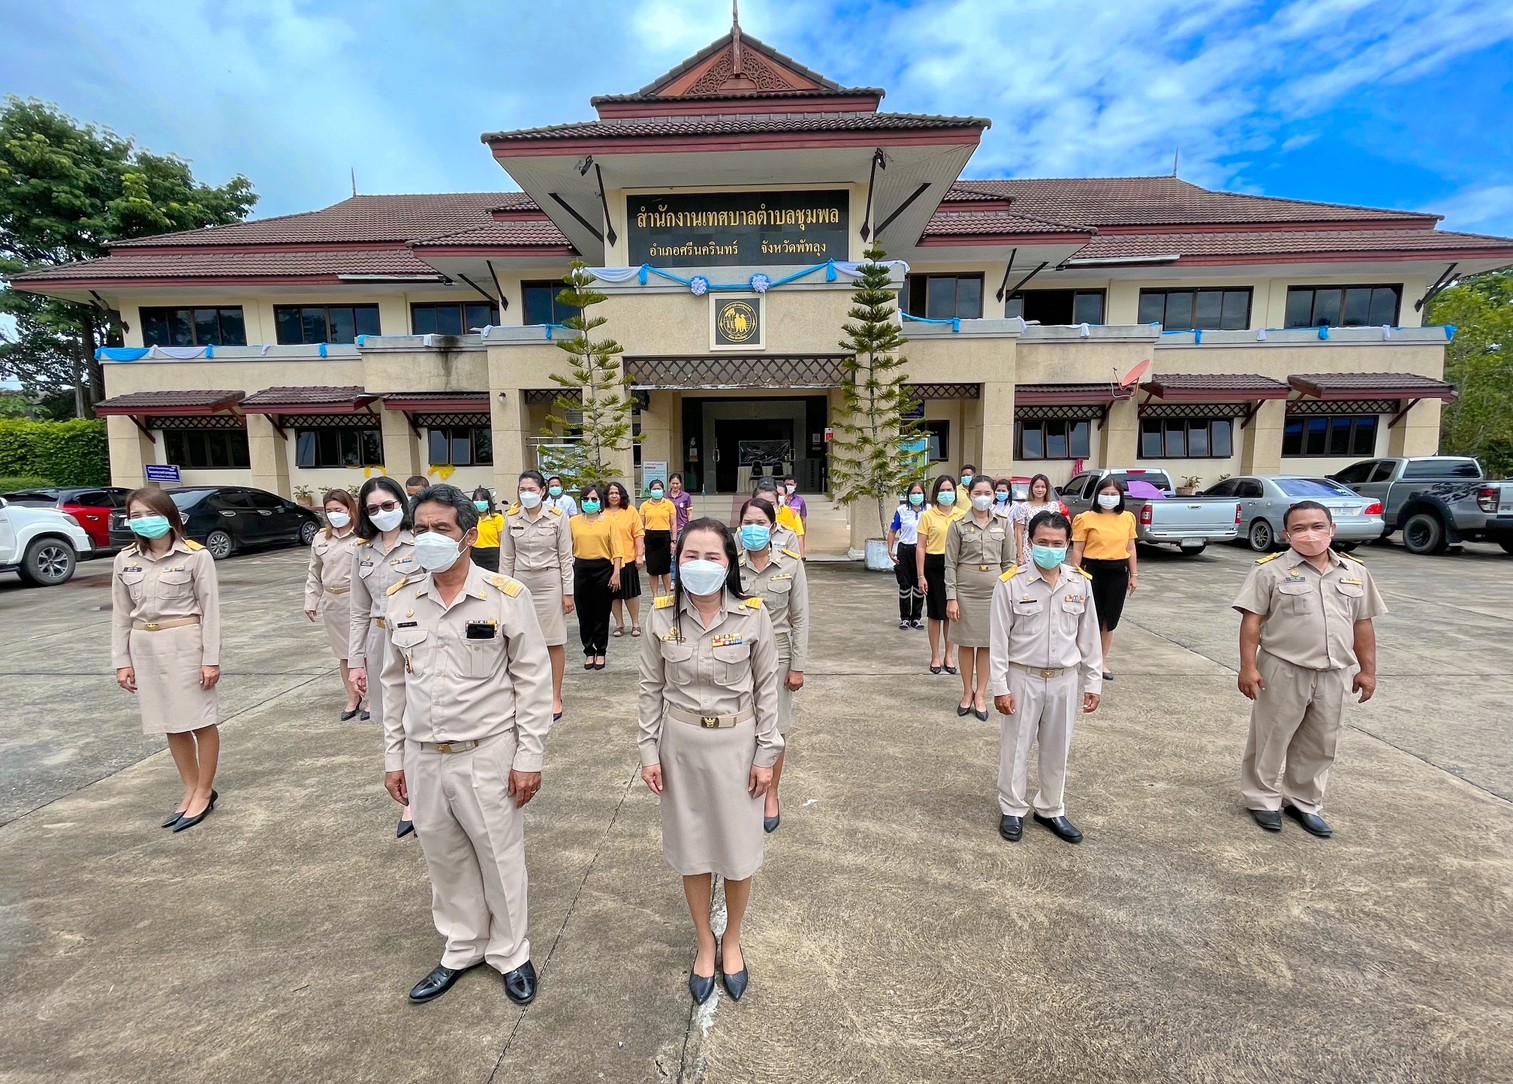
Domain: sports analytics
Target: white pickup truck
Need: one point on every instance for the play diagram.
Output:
(40, 545)
(1189, 523)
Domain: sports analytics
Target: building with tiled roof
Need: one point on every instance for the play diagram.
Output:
(1055, 323)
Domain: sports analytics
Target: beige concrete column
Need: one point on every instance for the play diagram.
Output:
(1418, 433)
(269, 455)
(1121, 435)
(512, 424)
(971, 436)
(1261, 439)
(656, 429)
(130, 452)
(402, 452)
(996, 409)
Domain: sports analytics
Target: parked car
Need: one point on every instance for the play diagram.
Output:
(41, 545)
(1437, 501)
(1189, 523)
(1264, 499)
(91, 506)
(225, 519)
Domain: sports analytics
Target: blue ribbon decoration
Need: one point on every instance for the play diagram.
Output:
(955, 321)
(558, 327)
(121, 353)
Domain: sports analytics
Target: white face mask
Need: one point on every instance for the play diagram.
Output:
(529, 499)
(790, 489)
(702, 577)
(339, 520)
(1108, 500)
(982, 502)
(436, 552)
(387, 521)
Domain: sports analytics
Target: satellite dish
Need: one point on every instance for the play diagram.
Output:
(1134, 375)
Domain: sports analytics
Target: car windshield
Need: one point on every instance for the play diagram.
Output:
(1312, 487)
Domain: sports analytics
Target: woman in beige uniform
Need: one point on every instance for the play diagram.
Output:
(536, 548)
(165, 643)
(709, 738)
(384, 555)
(328, 585)
(979, 547)
(777, 576)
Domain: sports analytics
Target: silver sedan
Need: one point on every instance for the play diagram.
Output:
(1264, 499)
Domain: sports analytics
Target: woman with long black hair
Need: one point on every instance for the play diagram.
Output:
(328, 584)
(628, 525)
(597, 561)
(930, 568)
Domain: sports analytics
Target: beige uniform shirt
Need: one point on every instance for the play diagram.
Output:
(330, 567)
(1035, 624)
(375, 571)
(984, 549)
(722, 670)
(179, 584)
(785, 592)
(1310, 618)
(465, 672)
(527, 545)
(783, 538)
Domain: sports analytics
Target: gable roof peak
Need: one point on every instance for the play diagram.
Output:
(736, 63)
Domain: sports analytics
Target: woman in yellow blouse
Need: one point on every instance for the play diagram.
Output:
(1103, 546)
(930, 553)
(490, 522)
(597, 559)
(619, 510)
(660, 518)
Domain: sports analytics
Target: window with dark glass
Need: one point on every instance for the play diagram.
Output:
(461, 446)
(541, 304)
(1056, 306)
(207, 449)
(938, 435)
(1052, 438)
(297, 324)
(945, 297)
(1186, 438)
(1342, 434)
(1210, 309)
(1342, 306)
(339, 448)
(451, 317)
(194, 327)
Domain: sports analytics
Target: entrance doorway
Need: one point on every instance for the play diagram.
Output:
(730, 443)
(749, 449)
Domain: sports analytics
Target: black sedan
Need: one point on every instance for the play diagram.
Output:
(225, 519)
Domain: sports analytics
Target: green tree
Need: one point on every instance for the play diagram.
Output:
(868, 460)
(595, 385)
(1479, 362)
(66, 191)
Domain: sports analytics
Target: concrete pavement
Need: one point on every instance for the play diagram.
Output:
(894, 936)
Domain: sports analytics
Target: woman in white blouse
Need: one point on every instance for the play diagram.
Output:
(1041, 500)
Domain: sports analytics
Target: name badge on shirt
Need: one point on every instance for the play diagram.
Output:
(482, 630)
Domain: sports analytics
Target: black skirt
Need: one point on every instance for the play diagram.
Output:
(630, 582)
(658, 553)
(935, 580)
(486, 557)
(1110, 588)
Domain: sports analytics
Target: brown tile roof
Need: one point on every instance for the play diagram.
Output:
(1069, 394)
(275, 400)
(515, 201)
(169, 402)
(1371, 386)
(737, 124)
(440, 402)
(953, 222)
(1198, 387)
(527, 234)
(203, 264)
(1290, 242)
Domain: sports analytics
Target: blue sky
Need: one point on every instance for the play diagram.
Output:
(1376, 102)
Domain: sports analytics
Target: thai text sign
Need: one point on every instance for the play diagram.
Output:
(747, 228)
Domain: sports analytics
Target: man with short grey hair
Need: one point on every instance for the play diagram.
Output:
(467, 704)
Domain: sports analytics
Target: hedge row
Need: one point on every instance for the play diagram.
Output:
(73, 453)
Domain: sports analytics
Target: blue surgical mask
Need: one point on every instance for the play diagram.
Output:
(1003, 497)
(656, 494)
(482, 506)
(946, 497)
(966, 481)
(755, 537)
(916, 499)
(555, 491)
(1048, 556)
(150, 526)
(590, 506)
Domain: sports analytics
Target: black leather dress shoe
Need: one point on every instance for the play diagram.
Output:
(963, 712)
(1061, 826)
(1312, 823)
(520, 984)
(438, 982)
(770, 824)
(349, 715)
(735, 984)
(982, 715)
(178, 814)
(1268, 819)
(1011, 827)
(699, 986)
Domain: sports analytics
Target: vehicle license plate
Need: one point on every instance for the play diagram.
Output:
(1191, 542)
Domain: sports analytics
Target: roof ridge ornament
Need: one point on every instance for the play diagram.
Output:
(739, 67)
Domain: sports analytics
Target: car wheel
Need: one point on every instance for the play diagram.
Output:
(1262, 538)
(1192, 551)
(307, 532)
(1506, 544)
(219, 544)
(1424, 534)
(47, 563)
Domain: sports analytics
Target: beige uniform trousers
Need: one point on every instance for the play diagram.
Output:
(1044, 709)
(1294, 730)
(785, 694)
(473, 837)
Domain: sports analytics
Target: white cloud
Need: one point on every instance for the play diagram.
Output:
(1481, 207)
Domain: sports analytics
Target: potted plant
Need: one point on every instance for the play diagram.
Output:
(304, 496)
(1189, 486)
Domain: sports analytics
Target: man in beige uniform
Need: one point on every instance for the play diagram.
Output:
(1044, 637)
(1305, 629)
(467, 705)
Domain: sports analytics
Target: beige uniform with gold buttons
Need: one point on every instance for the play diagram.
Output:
(975, 557)
(1308, 663)
(539, 553)
(328, 586)
(374, 572)
(708, 712)
(166, 625)
(784, 590)
(467, 689)
(1046, 653)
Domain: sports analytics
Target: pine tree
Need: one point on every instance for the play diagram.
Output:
(868, 460)
(595, 385)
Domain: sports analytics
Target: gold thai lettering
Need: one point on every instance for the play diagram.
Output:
(800, 218)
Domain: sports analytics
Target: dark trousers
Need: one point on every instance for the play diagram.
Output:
(911, 600)
(591, 599)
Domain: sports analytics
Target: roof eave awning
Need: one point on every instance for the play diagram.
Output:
(1249, 390)
(1068, 395)
(438, 403)
(278, 401)
(122, 406)
(1387, 386)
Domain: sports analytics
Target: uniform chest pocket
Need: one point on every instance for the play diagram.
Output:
(176, 583)
(365, 568)
(678, 662)
(1353, 590)
(1028, 606)
(731, 663)
(779, 586)
(133, 582)
(414, 644)
(1296, 597)
(478, 658)
(1073, 605)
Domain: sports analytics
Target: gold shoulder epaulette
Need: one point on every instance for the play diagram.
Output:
(193, 545)
(1351, 557)
(1272, 557)
(554, 510)
(1085, 573)
(664, 601)
(397, 585)
(131, 547)
(790, 553)
(754, 603)
(1010, 574)
(508, 586)
(514, 508)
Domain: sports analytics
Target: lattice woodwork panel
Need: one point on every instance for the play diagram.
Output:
(328, 421)
(716, 77)
(432, 421)
(1072, 412)
(734, 372)
(538, 396)
(194, 422)
(946, 391)
(1315, 408)
(1194, 410)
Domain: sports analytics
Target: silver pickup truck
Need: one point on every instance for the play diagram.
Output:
(1437, 501)
(1189, 523)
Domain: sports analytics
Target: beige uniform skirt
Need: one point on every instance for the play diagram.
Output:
(974, 597)
(545, 587)
(167, 664)
(710, 822)
(336, 615)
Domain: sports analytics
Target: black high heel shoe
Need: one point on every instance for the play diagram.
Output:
(185, 823)
(403, 829)
(735, 985)
(178, 814)
(700, 987)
